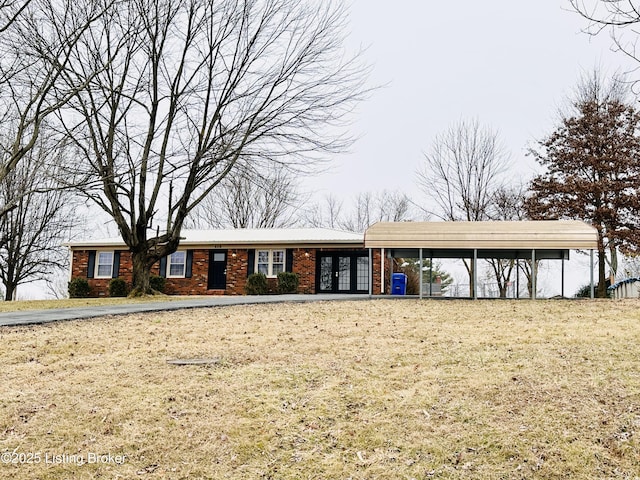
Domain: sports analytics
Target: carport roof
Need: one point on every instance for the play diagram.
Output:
(495, 235)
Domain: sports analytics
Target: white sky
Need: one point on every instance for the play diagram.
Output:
(510, 64)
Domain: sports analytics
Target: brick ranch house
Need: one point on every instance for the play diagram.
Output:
(218, 262)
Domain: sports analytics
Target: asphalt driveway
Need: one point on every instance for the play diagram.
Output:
(34, 317)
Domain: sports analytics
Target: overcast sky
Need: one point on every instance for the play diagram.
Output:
(510, 64)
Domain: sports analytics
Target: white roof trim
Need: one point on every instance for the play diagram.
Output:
(258, 236)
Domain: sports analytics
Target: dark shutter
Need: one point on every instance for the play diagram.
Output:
(251, 262)
(163, 267)
(188, 270)
(91, 264)
(116, 264)
(289, 260)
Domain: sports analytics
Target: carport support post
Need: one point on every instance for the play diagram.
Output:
(517, 278)
(591, 274)
(390, 272)
(420, 273)
(534, 274)
(562, 286)
(382, 257)
(431, 275)
(370, 272)
(475, 274)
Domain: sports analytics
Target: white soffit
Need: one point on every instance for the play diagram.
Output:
(247, 237)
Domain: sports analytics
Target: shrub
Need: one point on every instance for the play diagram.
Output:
(288, 282)
(157, 283)
(79, 288)
(584, 291)
(117, 288)
(257, 284)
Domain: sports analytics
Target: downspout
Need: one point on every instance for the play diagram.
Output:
(382, 253)
(420, 273)
(370, 272)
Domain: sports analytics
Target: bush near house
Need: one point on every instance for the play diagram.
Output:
(257, 284)
(288, 282)
(79, 288)
(157, 283)
(117, 288)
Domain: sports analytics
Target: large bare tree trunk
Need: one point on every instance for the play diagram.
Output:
(10, 292)
(141, 273)
(602, 279)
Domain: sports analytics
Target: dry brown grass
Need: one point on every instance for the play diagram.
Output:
(363, 390)
(21, 305)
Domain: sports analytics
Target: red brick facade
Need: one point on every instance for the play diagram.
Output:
(304, 264)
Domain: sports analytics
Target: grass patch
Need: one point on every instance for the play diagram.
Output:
(361, 390)
(21, 305)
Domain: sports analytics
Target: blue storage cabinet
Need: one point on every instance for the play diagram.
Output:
(398, 284)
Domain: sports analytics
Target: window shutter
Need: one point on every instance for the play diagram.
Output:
(289, 260)
(188, 270)
(116, 264)
(163, 267)
(251, 262)
(91, 264)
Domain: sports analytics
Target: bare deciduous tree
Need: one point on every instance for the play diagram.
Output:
(33, 231)
(462, 171)
(196, 90)
(327, 213)
(508, 204)
(36, 39)
(619, 17)
(384, 206)
(10, 10)
(461, 174)
(367, 209)
(247, 198)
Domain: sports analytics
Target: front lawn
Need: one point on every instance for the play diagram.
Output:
(363, 390)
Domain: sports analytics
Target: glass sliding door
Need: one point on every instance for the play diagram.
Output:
(325, 281)
(342, 272)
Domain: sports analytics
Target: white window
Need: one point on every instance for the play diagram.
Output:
(270, 262)
(263, 262)
(176, 264)
(104, 267)
(277, 262)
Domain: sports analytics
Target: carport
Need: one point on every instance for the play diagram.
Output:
(528, 240)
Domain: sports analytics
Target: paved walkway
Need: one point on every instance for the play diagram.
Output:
(33, 317)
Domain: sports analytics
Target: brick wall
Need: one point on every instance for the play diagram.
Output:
(236, 271)
(377, 274)
(197, 283)
(304, 264)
